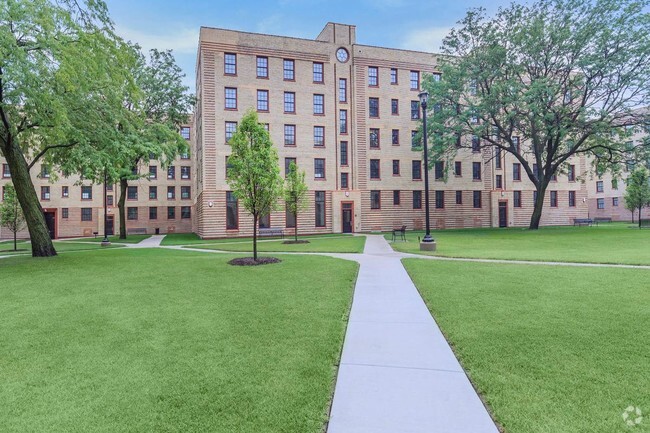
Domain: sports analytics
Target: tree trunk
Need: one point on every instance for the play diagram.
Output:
(639, 217)
(255, 237)
(539, 207)
(42, 245)
(15, 241)
(124, 184)
(295, 232)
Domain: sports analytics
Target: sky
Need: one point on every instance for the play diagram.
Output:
(174, 24)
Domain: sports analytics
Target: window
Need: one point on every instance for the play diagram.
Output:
(5, 171)
(572, 173)
(414, 141)
(601, 203)
(373, 107)
(171, 213)
(499, 181)
(615, 184)
(553, 196)
(473, 87)
(185, 132)
(396, 167)
(289, 73)
(319, 104)
(86, 192)
(477, 200)
(373, 76)
(415, 110)
(109, 187)
(153, 172)
(64, 213)
(186, 212)
(319, 208)
(132, 193)
(415, 80)
(516, 144)
(417, 199)
(374, 138)
(262, 67)
(516, 171)
(132, 213)
(344, 181)
(289, 102)
(262, 100)
(572, 199)
(344, 153)
(393, 76)
(439, 170)
(516, 198)
(374, 169)
(45, 171)
(319, 136)
(171, 193)
(416, 170)
(171, 172)
(395, 137)
(232, 212)
(231, 98)
(615, 201)
(476, 171)
(599, 186)
(497, 158)
(396, 198)
(476, 144)
(458, 169)
(231, 127)
(459, 197)
(45, 193)
(318, 73)
(230, 64)
(290, 219)
(109, 200)
(65, 192)
(343, 90)
(440, 199)
(375, 199)
(289, 135)
(186, 192)
(394, 107)
(343, 121)
(86, 214)
(287, 164)
(185, 172)
(319, 168)
(153, 213)
(153, 193)
(554, 177)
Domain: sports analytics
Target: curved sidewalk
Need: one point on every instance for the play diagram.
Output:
(397, 372)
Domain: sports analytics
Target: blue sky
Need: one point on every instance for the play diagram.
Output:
(174, 24)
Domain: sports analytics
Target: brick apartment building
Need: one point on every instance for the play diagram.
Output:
(345, 113)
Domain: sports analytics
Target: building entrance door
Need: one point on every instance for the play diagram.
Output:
(347, 217)
(50, 221)
(110, 225)
(503, 214)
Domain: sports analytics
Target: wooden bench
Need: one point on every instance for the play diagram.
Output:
(271, 232)
(602, 220)
(644, 224)
(137, 231)
(583, 222)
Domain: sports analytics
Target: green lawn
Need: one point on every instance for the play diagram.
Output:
(169, 341)
(330, 244)
(61, 246)
(551, 349)
(607, 243)
(181, 239)
(175, 239)
(130, 239)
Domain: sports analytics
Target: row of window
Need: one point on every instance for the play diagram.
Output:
(153, 172)
(414, 77)
(132, 213)
(600, 202)
(374, 104)
(262, 68)
(132, 193)
(375, 199)
(600, 187)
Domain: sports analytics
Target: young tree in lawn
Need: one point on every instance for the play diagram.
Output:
(543, 82)
(253, 173)
(61, 68)
(637, 192)
(295, 192)
(11, 215)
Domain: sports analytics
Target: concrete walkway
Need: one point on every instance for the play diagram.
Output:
(151, 242)
(397, 372)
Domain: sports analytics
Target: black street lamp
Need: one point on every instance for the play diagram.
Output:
(427, 244)
(105, 241)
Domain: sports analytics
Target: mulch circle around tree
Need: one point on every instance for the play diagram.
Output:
(295, 242)
(249, 261)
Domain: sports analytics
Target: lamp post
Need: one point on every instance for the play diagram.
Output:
(427, 244)
(105, 241)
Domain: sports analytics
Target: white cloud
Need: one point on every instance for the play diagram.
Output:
(182, 41)
(428, 40)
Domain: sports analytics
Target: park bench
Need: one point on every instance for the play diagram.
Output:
(583, 222)
(644, 224)
(137, 231)
(401, 232)
(271, 232)
(602, 220)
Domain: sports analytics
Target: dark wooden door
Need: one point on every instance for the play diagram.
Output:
(503, 214)
(50, 221)
(110, 225)
(347, 209)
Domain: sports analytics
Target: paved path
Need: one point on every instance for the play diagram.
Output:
(397, 372)
(151, 242)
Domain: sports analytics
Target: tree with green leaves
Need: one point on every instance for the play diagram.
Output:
(295, 193)
(544, 82)
(637, 192)
(254, 174)
(63, 73)
(11, 215)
